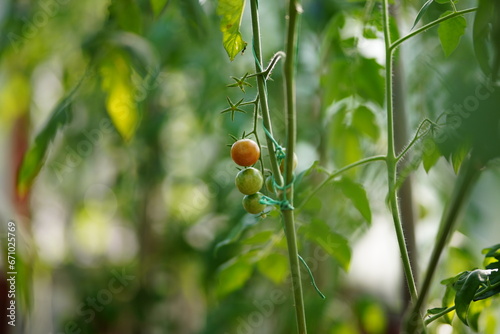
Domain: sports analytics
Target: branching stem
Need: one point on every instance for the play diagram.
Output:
(391, 159)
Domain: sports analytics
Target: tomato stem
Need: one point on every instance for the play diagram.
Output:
(391, 159)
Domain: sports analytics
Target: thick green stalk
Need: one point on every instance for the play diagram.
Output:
(291, 134)
(391, 159)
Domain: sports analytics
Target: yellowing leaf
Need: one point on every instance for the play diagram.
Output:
(122, 109)
(231, 12)
(121, 103)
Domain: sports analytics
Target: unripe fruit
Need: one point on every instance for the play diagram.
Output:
(295, 162)
(252, 204)
(245, 152)
(249, 181)
(270, 184)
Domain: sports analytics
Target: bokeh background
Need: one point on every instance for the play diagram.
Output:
(127, 217)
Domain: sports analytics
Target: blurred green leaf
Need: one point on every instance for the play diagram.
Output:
(458, 157)
(364, 120)
(234, 274)
(357, 194)
(258, 238)
(450, 32)
(481, 32)
(274, 266)
(127, 14)
(493, 251)
(431, 156)
(231, 12)
(448, 300)
(34, 158)
(158, 6)
(475, 311)
(332, 243)
(236, 232)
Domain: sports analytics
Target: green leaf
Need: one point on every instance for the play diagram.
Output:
(258, 238)
(236, 232)
(493, 251)
(421, 12)
(34, 158)
(231, 12)
(448, 301)
(357, 194)
(158, 6)
(333, 243)
(274, 266)
(466, 287)
(494, 278)
(450, 32)
(475, 311)
(431, 155)
(127, 14)
(363, 119)
(235, 273)
(481, 32)
(458, 157)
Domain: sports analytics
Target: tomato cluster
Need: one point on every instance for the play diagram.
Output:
(249, 181)
(246, 152)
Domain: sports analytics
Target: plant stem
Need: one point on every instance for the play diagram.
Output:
(466, 179)
(288, 216)
(336, 173)
(439, 315)
(400, 41)
(262, 89)
(391, 159)
(291, 134)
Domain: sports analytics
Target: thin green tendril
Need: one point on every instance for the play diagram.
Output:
(313, 282)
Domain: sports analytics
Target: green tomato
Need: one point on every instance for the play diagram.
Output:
(249, 181)
(295, 162)
(270, 184)
(252, 204)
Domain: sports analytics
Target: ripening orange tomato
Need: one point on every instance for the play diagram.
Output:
(245, 152)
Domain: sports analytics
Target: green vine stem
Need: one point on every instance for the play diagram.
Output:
(400, 41)
(262, 90)
(338, 172)
(287, 213)
(291, 134)
(391, 159)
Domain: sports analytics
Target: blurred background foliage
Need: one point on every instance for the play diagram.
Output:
(128, 218)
